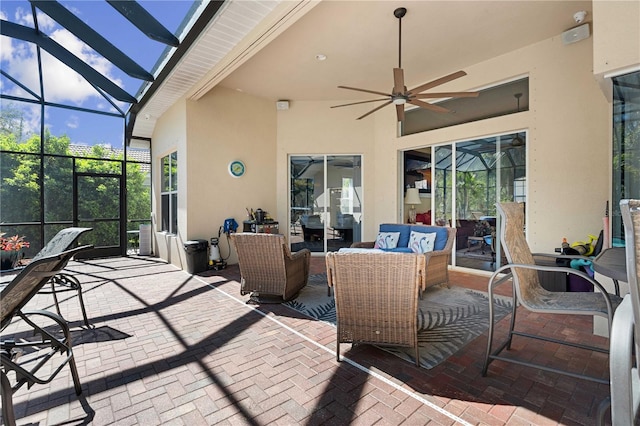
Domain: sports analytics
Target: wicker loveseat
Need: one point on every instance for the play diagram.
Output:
(437, 261)
(373, 305)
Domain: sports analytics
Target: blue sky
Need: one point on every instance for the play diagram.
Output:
(63, 85)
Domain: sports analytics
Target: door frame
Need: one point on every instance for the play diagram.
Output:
(103, 251)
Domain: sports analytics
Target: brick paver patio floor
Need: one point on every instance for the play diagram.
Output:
(169, 348)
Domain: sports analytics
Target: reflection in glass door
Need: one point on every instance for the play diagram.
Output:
(326, 202)
(485, 170)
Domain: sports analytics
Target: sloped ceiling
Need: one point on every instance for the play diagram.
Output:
(268, 49)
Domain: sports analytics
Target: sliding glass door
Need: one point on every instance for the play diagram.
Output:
(470, 177)
(325, 202)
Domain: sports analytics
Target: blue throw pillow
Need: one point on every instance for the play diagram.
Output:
(404, 231)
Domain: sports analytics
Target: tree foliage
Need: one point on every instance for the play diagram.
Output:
(38, 188)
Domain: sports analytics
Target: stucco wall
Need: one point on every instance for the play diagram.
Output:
(616, 35)
(568, 134)
(170, 135)
(568, 147)
(223, 126)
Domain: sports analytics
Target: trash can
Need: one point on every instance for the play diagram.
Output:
(196, 255)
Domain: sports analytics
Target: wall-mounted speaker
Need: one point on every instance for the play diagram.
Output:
(282, 105)
(576, 34)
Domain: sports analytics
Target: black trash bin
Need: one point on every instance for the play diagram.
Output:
(196, 255)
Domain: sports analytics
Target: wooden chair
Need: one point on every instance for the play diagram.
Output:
(377, 297)
(268, 268)
(46, 345)
(528, 292)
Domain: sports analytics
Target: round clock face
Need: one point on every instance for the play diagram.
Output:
(236, 168)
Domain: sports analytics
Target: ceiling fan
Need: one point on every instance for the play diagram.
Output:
(400, 96)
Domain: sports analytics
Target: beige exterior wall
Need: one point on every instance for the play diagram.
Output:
(227, 125)
(568, 147)
(222, 126)
(170, 135)
(616, 35)
(568, 132)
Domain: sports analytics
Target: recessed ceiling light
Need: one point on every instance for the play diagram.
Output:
(321, 57)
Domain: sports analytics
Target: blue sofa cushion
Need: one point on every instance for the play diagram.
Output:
(441, 235)
(405, 233)
(399, 250)
(403, 229)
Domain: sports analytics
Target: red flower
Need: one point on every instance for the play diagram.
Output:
(15, 243)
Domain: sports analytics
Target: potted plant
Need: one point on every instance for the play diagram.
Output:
(11, 250)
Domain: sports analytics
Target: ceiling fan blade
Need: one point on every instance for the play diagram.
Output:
(374, 110)
(398, 80)
(365, 90)
(400, 112)
(438, 82)
(428, 106)
(447, 95)
(361, 102)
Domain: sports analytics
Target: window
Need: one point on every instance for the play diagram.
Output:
(169, 193)
(626, 147)
(508, 98)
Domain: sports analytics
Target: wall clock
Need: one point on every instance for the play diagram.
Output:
(237, 168)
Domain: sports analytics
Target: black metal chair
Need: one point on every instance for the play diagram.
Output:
(40, 343)
(62, 282)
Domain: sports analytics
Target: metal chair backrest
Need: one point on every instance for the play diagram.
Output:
(29, 281)
(630, 211)
(61, 242)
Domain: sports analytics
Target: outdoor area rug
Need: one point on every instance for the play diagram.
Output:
(448, 318)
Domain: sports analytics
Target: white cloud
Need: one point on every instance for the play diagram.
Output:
(61, 83)
(73, 121)
(45, 23)
(6, 50)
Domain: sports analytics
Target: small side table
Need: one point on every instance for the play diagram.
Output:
(260, 228)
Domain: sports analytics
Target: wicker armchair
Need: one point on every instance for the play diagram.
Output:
(376, 297)
(437, 261)
(268, 268)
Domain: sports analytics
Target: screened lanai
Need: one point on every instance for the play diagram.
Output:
(74, 75)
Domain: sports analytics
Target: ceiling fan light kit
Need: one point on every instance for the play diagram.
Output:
(400, 96)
